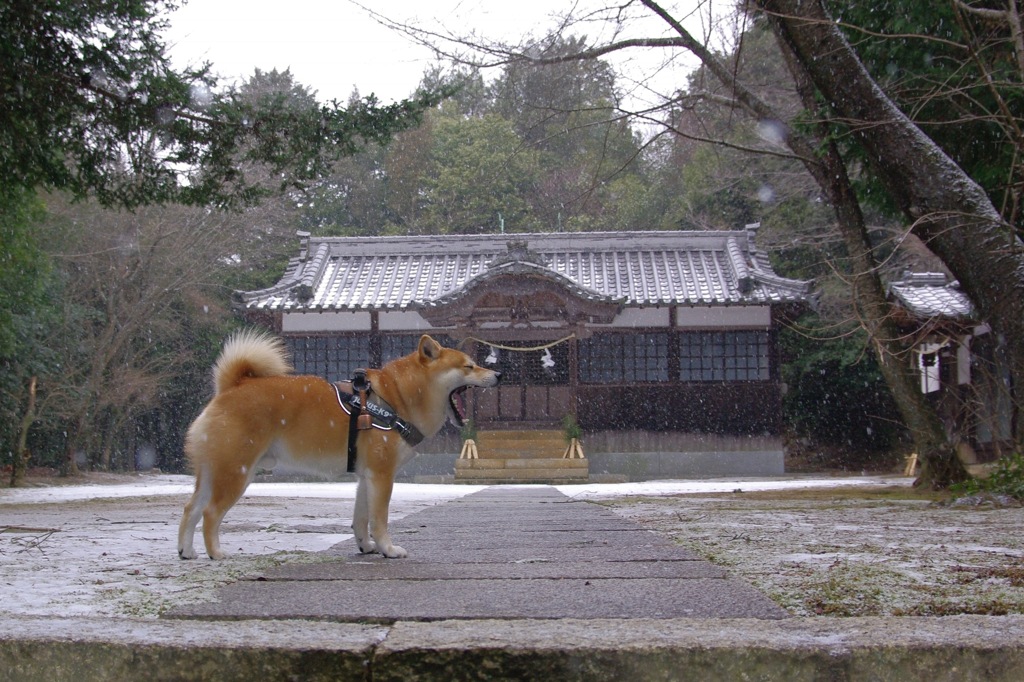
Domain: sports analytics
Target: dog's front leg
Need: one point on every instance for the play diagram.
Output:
(379, 499)
(361, 518)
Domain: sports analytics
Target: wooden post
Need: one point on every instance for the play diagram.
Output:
(911, 465)
(469, 450)
(574, 450)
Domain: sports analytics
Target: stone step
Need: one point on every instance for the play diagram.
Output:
(520, 444)
(507, 456)
(554, 480)
(517, 452)
(545, 463)
(520, 475)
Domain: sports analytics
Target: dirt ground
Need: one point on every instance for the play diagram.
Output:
(850, 552)
(830, 552)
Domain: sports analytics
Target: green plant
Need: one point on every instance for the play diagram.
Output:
(570, 428)
(468, 431)
(1007, 478)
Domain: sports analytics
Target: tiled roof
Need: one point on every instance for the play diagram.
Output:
(929, 294)
(635, 268)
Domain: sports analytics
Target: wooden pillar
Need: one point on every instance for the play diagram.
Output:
(376, 345)
(574, 376)
(673, 345)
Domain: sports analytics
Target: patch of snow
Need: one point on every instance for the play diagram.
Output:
(111, 549)
(726, 485)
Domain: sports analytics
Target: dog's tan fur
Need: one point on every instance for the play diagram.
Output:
(261, 414)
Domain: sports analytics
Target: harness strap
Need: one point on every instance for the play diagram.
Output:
(362, 385)
(353, 432)
(363, 414)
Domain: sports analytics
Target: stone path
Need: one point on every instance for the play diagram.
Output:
(501, 553)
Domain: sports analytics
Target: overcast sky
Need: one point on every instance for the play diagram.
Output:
(333, 46)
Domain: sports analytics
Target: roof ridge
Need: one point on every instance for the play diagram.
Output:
(931, 294)
(640, 268)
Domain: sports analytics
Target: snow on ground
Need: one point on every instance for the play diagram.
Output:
(152, 485)
(860, 552)
(146, 486)
(729, 485)
(111, 549)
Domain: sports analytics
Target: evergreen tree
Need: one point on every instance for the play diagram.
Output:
(957, 70)
(93, 107)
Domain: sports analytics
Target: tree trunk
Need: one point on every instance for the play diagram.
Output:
(21, 454)
(940, 466)
(950, 212)
(70, 464)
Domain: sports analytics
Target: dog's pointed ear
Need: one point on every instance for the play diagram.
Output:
(429, 348)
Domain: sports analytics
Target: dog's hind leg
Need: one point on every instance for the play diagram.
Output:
(223, 496)
(193, 511)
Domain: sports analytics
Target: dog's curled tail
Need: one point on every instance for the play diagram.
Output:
(249, 353)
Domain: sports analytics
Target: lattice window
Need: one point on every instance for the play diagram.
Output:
(624, 358)
(396, 345)
(392, 347)
(331, 357)
(723, 356)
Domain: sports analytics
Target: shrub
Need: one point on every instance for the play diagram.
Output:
(1006, 479)
(571, 428)
(468, 431)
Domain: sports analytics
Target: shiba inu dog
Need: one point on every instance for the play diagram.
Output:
(262, 414)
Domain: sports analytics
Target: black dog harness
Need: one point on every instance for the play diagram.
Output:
(353, 396)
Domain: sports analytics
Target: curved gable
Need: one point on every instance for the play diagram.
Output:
(521, 291)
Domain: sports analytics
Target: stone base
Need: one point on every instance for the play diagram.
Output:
(645, 466)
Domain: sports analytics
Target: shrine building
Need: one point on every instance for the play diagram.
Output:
(660, 345)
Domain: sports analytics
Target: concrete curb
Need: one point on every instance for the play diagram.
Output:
(960, 648)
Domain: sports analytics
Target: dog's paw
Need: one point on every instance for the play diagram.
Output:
(394, 552)
(186, 553)
(218, 555)
(366, 546)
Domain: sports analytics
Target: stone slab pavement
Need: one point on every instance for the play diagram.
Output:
(504, 553)
(507, 584)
